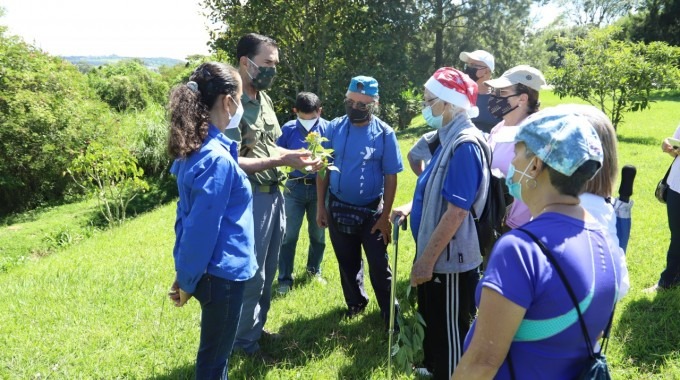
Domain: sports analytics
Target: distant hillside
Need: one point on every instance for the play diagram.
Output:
(153, 63)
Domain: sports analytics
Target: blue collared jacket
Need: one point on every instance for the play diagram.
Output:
(214, 226)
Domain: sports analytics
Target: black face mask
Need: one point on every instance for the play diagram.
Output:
(499, 105)
(472, 73)
(357, 116)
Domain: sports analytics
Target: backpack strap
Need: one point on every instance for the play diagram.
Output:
(434, 144)
(487, 156)
(572, 295)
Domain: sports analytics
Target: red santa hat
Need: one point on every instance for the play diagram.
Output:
(455, 87)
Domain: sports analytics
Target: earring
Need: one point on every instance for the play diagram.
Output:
(531, 181)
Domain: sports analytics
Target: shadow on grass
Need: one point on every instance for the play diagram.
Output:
(668, 95)
(185, 372)
(650, 329)
(363, 340)
(652, 141)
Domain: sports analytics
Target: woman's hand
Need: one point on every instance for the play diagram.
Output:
(422, 271)
(668, 148)
(178, 296)
(401, 212)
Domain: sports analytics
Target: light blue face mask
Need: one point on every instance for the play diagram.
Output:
(431, 120)
(515, 188)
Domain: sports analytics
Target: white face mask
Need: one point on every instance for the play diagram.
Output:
(308, 124)
(235, 119)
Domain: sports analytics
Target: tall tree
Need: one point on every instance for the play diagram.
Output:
(498, 26)
(615, 75)
(658, 20)
(323, 43)
(595, 13)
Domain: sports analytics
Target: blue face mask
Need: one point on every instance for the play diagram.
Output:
(431, 120)
(515, 188)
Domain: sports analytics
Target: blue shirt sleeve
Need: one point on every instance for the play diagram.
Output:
(464, 176)
(200, 228)
(286, 131)
(392, 163)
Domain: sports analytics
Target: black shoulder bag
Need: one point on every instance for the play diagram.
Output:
(661, 191)
(597, 363)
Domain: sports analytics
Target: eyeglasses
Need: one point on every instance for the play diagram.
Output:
(359, 105)
(502, 92)
(428, 102)
(476, 67)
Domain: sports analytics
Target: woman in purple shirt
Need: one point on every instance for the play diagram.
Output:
(525, 314)
(214, 246)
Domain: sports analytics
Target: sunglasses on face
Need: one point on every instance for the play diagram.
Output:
(429, 102)
(359, 105)
(503, 92)
(476, 67)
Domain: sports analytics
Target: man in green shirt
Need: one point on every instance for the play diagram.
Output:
(260, 158)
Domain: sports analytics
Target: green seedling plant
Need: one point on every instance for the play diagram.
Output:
(408, 349)
(315, 146)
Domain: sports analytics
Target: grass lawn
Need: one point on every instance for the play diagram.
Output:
(96, 306)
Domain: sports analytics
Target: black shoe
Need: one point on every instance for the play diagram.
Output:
(354, 310)
(270, 335)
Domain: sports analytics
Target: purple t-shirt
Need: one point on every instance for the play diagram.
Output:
(549, 343)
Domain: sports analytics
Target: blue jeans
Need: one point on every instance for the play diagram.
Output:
(221, 302)
(300, 199)
(670, 277)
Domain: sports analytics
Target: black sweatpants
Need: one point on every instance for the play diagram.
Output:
(447, 304)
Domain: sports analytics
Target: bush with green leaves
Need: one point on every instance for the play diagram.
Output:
(614, 75)
(47, 115)
(128, 85)
(149, 140)
(110, 173)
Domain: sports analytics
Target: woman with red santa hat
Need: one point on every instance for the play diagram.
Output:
(446, 270)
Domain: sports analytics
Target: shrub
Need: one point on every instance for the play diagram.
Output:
(110, 173)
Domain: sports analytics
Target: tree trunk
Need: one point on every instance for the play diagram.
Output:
(438, 34)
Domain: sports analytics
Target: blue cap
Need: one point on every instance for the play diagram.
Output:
(364, 85)
(561, 139)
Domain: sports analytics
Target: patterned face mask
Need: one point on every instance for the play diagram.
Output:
(264, 78)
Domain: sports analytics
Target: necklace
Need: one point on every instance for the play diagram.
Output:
(555, 206)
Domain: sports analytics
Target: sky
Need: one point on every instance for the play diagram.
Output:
(134, 28)
(128, 28)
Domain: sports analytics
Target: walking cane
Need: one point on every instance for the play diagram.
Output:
(395, 242)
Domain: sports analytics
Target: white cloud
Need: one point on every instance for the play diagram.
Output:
(141, 28)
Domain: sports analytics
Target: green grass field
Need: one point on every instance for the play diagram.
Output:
(84, 303)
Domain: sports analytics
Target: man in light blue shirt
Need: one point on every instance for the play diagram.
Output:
(360, 195)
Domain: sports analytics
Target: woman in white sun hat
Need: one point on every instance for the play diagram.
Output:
(514, 96)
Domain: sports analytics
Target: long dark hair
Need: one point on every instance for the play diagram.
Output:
(190, 105)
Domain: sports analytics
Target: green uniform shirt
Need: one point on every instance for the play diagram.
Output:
(257, 136)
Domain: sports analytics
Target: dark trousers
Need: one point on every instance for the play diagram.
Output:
(447, 305)
(347, 249)
(671, 275)
(221, 302)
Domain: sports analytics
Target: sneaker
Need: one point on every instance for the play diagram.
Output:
(423, 372)
(354, 310)
(317, 277)
(283, 289)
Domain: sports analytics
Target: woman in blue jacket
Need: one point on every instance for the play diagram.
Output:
(214, 246)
